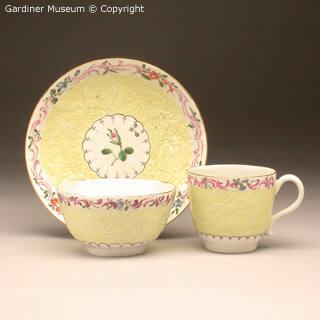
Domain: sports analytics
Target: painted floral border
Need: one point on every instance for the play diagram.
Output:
(232, 184)
(101, 67)
(117, 204)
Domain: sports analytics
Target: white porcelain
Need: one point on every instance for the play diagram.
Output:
(116, 250)
(221, 244)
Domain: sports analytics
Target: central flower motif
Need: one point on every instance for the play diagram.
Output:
(117, 146)
(115, 138)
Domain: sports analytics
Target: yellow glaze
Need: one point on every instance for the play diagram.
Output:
(231, 212)
(61, 153)
(99, 225)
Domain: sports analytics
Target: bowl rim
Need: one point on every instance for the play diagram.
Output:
(233, 176)
(106, 196)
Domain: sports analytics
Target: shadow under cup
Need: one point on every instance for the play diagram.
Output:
(232, 204)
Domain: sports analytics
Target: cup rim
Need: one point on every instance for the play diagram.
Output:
(61, 189)
(232, 176)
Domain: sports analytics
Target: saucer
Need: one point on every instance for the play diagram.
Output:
(114, 118)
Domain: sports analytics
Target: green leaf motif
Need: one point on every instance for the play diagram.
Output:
(106, 151)
(236, 181)
(129, 150)
(122, 155)
(145, 76)
(31, 142)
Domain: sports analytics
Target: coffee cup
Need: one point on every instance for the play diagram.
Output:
(232, 204)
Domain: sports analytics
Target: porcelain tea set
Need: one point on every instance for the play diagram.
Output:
(116, 149)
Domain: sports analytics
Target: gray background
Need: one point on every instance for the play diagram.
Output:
(253, 69)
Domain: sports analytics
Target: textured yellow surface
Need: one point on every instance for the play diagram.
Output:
(61, 152)
(114, 226)
(230, 212)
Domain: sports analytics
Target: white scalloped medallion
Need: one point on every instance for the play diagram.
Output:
(117, 146)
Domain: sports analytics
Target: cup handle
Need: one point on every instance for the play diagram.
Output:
(295, 204)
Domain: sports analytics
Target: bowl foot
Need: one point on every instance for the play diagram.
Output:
(115, 250)
(222, 244)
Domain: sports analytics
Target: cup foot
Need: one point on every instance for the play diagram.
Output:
(222, 244)
(115, 250)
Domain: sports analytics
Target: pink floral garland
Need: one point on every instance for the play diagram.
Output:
(232, 184)
(119, 204)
